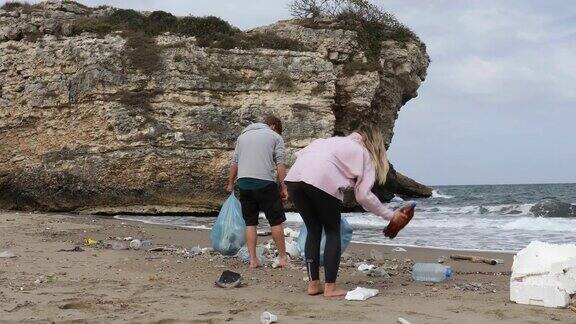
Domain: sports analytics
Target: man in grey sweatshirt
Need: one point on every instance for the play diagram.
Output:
(259, 154)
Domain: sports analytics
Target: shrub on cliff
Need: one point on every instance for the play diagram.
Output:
(17, 5)
(160, 21)
(372, 23)
(209, 31)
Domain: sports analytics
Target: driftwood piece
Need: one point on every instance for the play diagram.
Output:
(476, 259)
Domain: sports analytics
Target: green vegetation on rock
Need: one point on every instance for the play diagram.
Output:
(372, 24)
(209, 31)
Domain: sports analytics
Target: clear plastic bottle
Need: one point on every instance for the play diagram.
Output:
(432, 272)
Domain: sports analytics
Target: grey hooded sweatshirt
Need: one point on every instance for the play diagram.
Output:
(258, 150)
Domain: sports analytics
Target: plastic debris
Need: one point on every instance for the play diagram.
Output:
(135, 244)
(361, 294)
(7, 254)
(544, 274)
(372, 271)
(118, 245)
(431, 272)
(229, 279)
(263, 233)
(399, 249)
(229, 231)
(196, 250)
(365, 267)
(288, 232)
(378, 272)
(291, 247)
(267, 318)
(90, 242)
(207, 250)
(403, 321)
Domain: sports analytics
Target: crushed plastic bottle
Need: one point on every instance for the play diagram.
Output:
(431, 272)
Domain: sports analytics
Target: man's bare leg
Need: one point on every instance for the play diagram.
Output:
(278, 236)
(251, 241)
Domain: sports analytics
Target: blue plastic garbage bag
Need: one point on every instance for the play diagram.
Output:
(229, 231)
(345, 238)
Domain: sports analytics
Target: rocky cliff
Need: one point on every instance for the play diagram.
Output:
(110, 123)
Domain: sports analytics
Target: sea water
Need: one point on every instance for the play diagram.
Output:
(487, 217)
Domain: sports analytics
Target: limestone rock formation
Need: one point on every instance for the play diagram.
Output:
(91, 124)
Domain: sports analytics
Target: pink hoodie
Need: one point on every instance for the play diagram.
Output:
(336, 163)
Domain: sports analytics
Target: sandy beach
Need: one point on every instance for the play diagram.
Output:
(104, 285)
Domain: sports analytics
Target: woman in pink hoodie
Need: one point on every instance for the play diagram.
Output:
(316, 181)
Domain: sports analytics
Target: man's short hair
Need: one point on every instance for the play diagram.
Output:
(272, 120)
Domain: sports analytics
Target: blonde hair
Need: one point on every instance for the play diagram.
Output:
(376, 146)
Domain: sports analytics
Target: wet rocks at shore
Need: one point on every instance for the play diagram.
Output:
(553, 208)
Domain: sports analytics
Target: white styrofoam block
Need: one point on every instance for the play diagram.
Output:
(538, 257)
(540, 295)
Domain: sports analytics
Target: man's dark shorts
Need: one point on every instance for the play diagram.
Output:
(267, 200)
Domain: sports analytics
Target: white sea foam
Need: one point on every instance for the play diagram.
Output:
(438, 194)
(505, 209)
(541, 224)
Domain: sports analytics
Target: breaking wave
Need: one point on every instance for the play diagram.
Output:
(438, 194)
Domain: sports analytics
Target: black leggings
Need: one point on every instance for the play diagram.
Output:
(319, 210)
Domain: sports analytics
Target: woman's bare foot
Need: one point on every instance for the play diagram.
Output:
(314, 288)
(253, 264)
(330, 291)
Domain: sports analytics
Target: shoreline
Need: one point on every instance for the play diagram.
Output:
(105, 285)
(203, 227)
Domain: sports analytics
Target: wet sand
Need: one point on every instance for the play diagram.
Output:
(116, 286)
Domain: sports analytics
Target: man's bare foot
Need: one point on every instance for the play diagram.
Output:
(283, 261)
(253, 264)
(314, 288)
(331, 291)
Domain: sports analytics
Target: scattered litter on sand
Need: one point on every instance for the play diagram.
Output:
(7, 254)
(288, 232)
(291, 247)
(196, 250)
(403, 321)
(90, 242)
(135, 244)
(361, 294)
(399, 249)
(162, 249)
(267, 318)
(74, 249)
(229, 279)
(365, 267)
(476, 259)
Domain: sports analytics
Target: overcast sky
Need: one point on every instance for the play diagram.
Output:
(499, 103)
